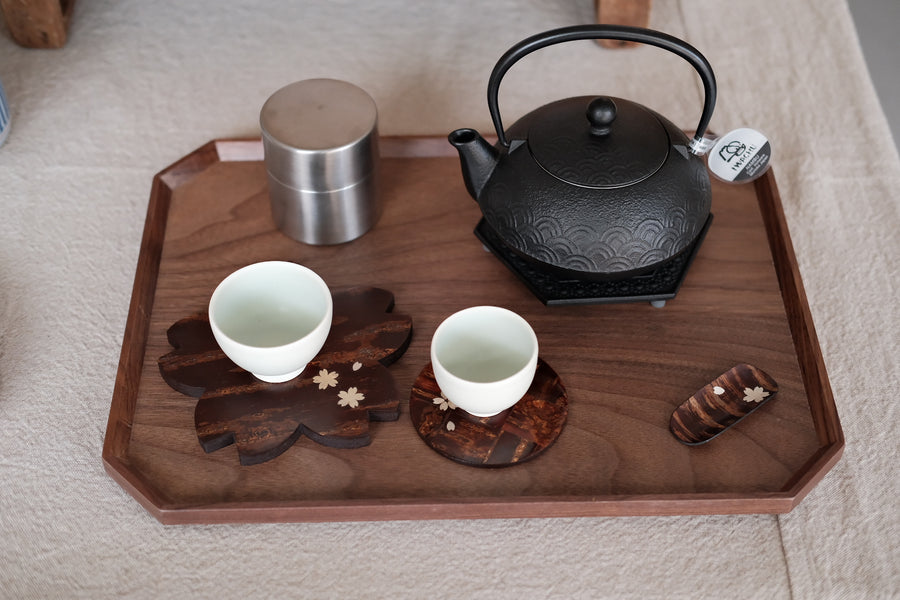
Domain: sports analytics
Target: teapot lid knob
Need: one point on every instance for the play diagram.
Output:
(601, 112)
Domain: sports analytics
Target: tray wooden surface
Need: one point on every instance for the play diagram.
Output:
(625, 367)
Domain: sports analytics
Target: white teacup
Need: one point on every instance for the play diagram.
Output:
(484, 359)
(271, 318)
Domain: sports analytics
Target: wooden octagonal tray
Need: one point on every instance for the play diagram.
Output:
(625, 367)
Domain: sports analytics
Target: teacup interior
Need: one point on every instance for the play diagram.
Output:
(484, 347)
(269, 311)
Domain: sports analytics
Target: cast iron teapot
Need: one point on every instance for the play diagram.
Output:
(594, 187)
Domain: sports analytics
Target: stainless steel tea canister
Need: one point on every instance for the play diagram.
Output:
(320, 138)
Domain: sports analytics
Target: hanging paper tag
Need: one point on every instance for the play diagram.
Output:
(739, 156)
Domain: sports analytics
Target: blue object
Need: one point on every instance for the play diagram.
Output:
(4, 116)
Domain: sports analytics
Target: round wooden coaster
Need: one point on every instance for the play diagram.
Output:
(515, 435)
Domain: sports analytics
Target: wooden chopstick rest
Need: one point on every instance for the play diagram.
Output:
(720, 404)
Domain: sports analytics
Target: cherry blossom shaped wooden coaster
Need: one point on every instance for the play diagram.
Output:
(720, 404)
(332, 402)
(513, 436)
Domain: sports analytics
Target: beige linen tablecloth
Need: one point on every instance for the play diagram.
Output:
(141, 84)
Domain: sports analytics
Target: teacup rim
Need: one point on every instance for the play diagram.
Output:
(324, 322)
(532, 358)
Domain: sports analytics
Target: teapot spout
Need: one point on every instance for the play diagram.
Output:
(477, 157)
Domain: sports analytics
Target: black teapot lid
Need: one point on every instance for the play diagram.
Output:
(600, 143)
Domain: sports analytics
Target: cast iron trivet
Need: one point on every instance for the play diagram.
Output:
(513, 436)
(658, 286)
(721, 403)
(332, 401)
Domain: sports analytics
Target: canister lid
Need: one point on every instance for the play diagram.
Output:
(319, 134)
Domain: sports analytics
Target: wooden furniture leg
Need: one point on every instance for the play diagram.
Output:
(38, 23)
(635, 13)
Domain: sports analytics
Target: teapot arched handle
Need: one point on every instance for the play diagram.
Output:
(609, 32)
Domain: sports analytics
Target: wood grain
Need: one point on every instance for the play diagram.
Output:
(625, 367)
(513, 436)
(634, 13)
(38, 23)
(721, 404)
(263, 420)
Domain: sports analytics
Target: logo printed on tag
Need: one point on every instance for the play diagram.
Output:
(740, 155)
